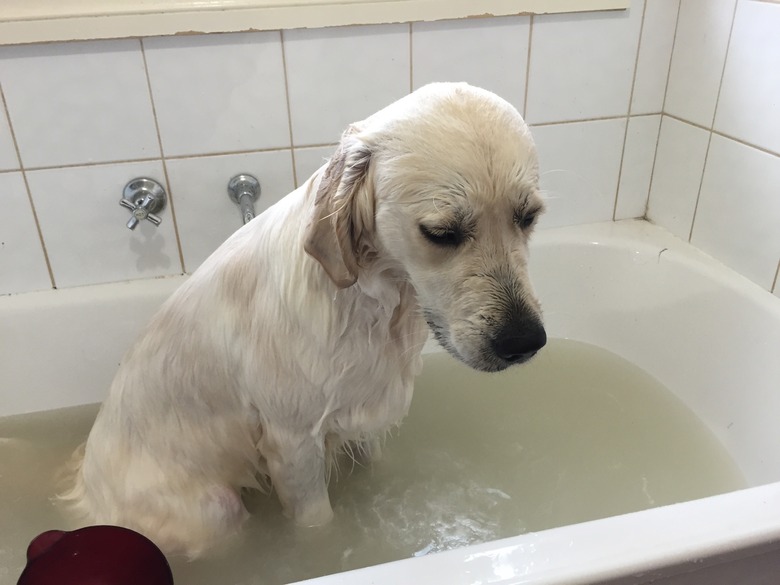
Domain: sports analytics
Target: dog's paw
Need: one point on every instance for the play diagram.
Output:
(313, 514)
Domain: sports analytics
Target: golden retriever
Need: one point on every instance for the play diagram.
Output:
(303, 331)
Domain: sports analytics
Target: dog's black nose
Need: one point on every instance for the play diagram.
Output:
(519, 344)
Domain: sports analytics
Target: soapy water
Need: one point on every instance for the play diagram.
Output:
(577, 434)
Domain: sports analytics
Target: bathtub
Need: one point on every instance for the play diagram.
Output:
(706, 333)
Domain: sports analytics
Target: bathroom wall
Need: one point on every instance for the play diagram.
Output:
(717, 172)
(81, 119)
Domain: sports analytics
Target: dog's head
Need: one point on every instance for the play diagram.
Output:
(440, 189)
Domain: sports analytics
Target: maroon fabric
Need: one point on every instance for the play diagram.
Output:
(96, 555)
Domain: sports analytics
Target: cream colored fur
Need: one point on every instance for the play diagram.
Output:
(303, 331)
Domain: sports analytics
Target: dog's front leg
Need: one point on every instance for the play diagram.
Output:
(296, 464)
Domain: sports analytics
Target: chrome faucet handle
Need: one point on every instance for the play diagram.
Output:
(143, 197)
(244, 190)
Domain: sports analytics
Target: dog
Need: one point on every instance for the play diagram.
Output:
(303, 332)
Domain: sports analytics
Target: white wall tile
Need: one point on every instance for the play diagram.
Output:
(84, 229)
(738, 218)
(308, 160)
(637, 168)
(749, 106)
(218, 93)
(582, 65)
(579, 165)
(205, 215)
(337, 76)
(8, 159)
(22, 264)
(655, 53)
(679, 164)
(487, 52)
(697, 63)
(74, 103)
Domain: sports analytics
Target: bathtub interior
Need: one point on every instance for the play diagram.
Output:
(707, 334)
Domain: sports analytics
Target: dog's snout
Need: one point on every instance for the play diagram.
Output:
(519, 344)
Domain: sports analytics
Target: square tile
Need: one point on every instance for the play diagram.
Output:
(738, 217)
(82, 102)
(491, 53)
(579, 165)
(637, 168)
(655, 54)
(679, 164)
(697, 63)
(308, 160)
(337, 76)
(582, 65)
(8, 159)
(84, 229)
(749, 105)
(22, 263)
(205, 215)
(218, 93)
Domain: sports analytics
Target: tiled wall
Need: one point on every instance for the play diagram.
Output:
(81, 119)
(717, 171)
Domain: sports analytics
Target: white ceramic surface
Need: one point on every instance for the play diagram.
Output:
(738, 217)
(22, 264)
(582, 65)
(679, 164)
(218, 93)
(486, 52)
(205, 215)
(8, 158)
(83, 225)
(580, 163)
(749, 108)
(655, 53)
(76, 103)
(327, 72)
(697, 63)
(637, 167)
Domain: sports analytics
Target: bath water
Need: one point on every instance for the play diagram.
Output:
(577, 434)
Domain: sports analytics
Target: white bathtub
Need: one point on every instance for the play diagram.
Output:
(706, 333)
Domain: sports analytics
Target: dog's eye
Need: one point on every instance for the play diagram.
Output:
(442, 236)
(525, 221)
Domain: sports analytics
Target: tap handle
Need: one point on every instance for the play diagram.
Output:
(244, 190)
(143, 197)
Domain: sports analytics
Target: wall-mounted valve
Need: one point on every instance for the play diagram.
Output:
(244, 190)
(143, 197)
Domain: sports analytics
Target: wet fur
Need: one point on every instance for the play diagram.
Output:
(303, 331)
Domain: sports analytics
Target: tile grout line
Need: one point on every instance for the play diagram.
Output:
(411, 58)
(23, 172)
(289, 108)
(723, 69)
(712, 122)
(628, 111)
(663, 108)
(528, 66)
(171, 157)
(724, 135)
(564, 122)
(162, 157)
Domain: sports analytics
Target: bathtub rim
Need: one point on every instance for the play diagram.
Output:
(664, 541)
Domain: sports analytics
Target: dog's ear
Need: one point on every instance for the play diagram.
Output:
(342, 216)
